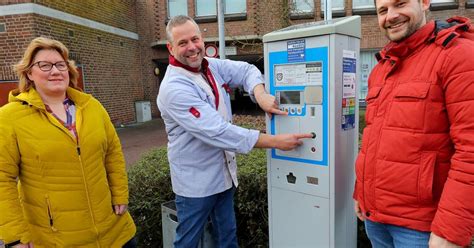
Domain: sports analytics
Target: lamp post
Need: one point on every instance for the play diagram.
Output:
(220, 23)
(327, 10)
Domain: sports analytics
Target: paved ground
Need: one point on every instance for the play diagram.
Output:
(137, 139)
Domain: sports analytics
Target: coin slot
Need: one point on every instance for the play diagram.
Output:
(291, 178)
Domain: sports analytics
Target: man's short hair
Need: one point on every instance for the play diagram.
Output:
(176, 21)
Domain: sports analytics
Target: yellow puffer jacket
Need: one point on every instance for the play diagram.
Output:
(66, 189)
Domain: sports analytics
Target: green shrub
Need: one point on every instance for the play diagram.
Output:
(361, 120)
(251, 206)
(150, 186)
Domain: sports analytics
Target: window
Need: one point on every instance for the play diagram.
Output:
(444, 4)
(363, 4)
(206, 7)
(2, 27)
(470, 4)
(235, 6)
(441, 1)
(336, 5)
(209, 7)
(367, 63)
(177, 7)
(301, 7)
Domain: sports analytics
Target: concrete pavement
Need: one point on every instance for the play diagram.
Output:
(140, 138)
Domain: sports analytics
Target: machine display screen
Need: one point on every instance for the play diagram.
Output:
(290, 97)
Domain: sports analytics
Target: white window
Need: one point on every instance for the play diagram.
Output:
(299, 7)
(206, 8)
(177, 7)
(442, 1)
(363, 4)
(336, 5)
(235, 6)
(367, 63)
(209, 7)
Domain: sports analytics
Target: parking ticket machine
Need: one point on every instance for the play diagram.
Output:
(312, 71)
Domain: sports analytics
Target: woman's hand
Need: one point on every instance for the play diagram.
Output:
(120, 209)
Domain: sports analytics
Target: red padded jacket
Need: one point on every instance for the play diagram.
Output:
(416, 165)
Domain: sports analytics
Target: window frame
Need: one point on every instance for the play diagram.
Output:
(444, 4)
(204, 16)
(336, 12)
(227, 17)
(303, 14)
(235, 13)
(363, 9)
(470, 4)
(168, 9)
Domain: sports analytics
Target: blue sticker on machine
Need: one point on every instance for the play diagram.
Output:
(296, 50)
(348, 122)
(349, 65)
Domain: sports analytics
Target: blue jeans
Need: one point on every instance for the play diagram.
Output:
(132, 243)
(386, 235)
(193, 214)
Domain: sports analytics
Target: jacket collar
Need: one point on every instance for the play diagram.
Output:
(203, 68)
(31, 97)
(439, 32)
(447, 31)
(407, 46)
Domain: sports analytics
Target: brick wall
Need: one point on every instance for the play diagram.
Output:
(264, 16)
(148, 31)
(119, 14)
(233, 28)
(118, 70)
(19, 32)
(112, 64)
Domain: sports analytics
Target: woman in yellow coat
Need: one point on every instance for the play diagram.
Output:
(62, 173)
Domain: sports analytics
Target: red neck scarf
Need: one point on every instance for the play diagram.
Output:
(204, 70)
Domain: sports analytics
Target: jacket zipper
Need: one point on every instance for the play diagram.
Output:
(50, 215)
(78, 149)
(87, 192)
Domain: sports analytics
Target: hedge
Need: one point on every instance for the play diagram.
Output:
(150, 186)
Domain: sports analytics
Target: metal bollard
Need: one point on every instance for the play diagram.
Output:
(169, 222)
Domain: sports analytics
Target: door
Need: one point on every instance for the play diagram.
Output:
(5, 88)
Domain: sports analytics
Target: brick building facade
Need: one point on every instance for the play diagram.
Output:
(245, 27)
(120, 46)
(103, 38)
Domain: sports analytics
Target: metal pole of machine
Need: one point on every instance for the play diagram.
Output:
(327, 10)
(220, 23)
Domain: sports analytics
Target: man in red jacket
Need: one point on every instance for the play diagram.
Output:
(415, 170)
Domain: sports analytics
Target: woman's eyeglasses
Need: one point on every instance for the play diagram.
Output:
(48, 66)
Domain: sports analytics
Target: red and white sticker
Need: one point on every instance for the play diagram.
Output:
(195, 112)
